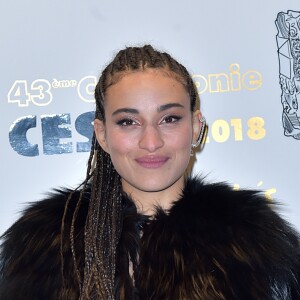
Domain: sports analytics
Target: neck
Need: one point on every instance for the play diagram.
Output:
(147, 201)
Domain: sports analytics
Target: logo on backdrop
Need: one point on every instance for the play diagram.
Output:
(57, 130)
(288, 48)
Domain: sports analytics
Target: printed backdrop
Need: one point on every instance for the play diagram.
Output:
(245, 59)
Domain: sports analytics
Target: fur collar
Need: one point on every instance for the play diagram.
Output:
(214, 243)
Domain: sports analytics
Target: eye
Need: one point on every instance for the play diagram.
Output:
(126, 122)
(171, 119)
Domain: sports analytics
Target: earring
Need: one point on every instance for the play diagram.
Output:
(192, 152)
(201, 134)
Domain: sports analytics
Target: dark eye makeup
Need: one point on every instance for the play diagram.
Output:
(126, 122)
(170, 119)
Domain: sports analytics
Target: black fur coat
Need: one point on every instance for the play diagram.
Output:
(214, 243)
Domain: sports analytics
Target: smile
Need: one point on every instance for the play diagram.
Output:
(152, 162)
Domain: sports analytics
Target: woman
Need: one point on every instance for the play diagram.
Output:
(137, 228)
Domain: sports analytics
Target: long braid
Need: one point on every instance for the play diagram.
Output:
(102, 230)
(104, 220)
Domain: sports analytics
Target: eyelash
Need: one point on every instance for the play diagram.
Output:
(175, 119)
(124, 122)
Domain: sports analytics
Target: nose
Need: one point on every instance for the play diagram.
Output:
(151, 139)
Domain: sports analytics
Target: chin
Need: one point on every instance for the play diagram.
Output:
(157, 185)
(153, 188)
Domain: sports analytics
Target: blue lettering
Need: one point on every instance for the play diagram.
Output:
(54, 128)
(84, 126)
(18, 139)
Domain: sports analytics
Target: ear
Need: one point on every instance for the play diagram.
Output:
(196, 125)
(99, 128)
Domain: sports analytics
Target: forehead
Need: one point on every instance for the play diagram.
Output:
(145, 87)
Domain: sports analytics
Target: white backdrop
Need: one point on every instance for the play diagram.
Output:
(53, 51)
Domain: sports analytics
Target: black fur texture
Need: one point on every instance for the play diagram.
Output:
(214, 243)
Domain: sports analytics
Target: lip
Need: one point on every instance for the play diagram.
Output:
(152, 162)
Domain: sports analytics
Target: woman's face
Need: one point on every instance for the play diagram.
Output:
(148, 130)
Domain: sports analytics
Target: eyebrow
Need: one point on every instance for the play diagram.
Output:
(135, 111)
(169, 105)
(126, 110)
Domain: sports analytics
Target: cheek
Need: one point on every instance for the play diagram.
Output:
(119, 143)
(181, 139)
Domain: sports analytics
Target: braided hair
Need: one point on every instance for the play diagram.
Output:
(104, 219)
